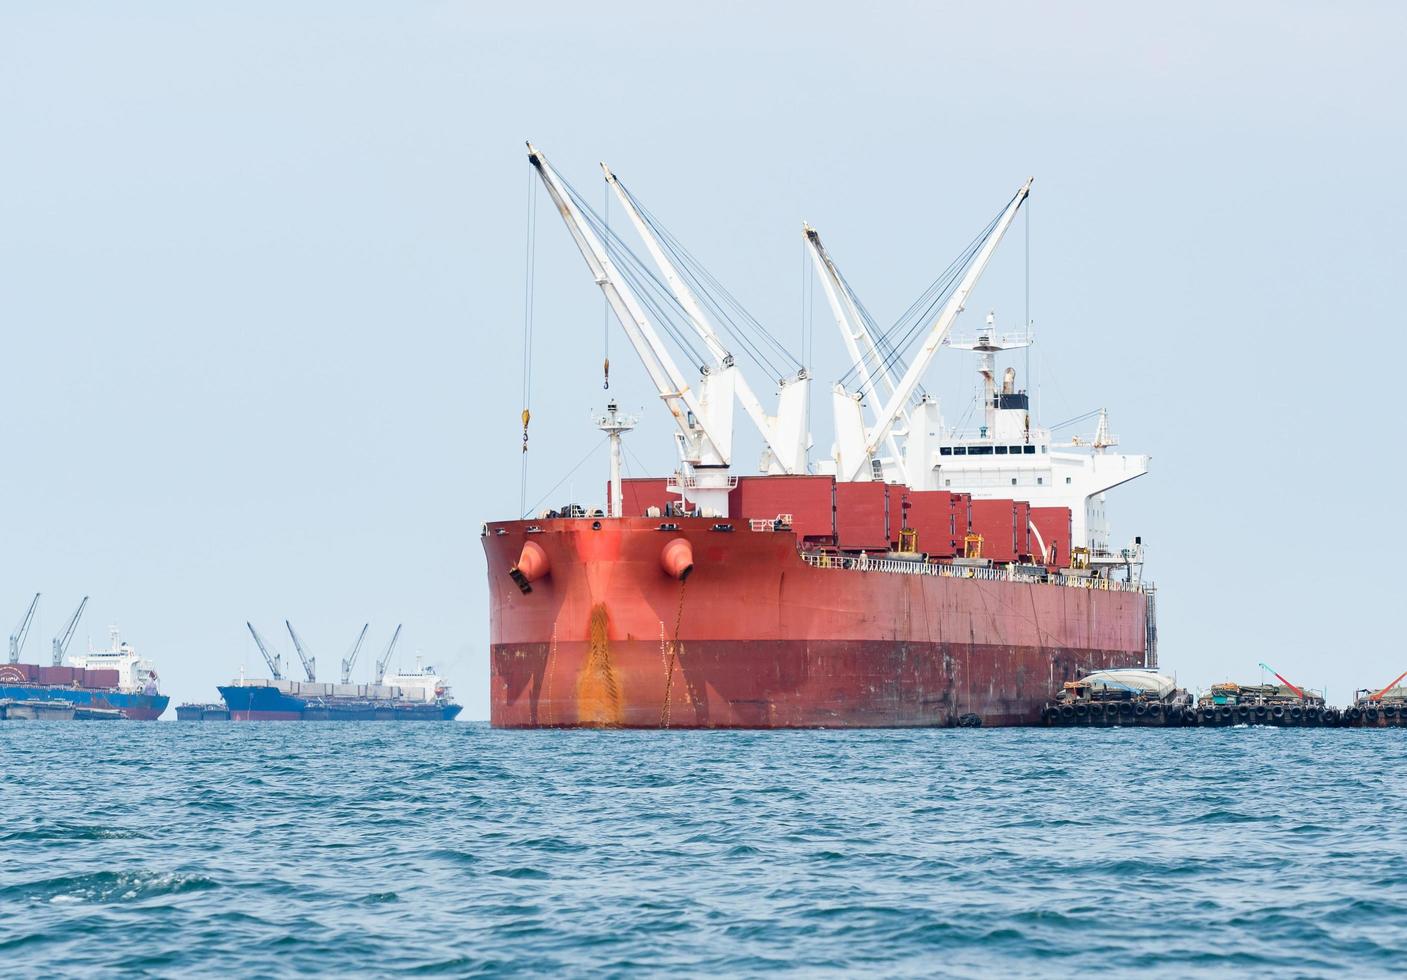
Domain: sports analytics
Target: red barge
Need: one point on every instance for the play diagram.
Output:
(919, 576)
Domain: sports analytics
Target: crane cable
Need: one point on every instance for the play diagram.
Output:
(529, 282)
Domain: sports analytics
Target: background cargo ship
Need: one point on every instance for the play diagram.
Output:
(920, 575)
(115, 678)
(419, 695)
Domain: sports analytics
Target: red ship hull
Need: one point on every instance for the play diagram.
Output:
(757, 637)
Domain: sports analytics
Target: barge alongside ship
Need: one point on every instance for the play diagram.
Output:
(921, 575)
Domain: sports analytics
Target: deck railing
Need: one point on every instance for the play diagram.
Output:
(898, 566)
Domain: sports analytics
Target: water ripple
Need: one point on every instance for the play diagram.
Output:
(456, 850)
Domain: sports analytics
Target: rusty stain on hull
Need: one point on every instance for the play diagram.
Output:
(598, 700)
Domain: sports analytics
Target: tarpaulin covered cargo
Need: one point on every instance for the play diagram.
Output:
(1145, 682)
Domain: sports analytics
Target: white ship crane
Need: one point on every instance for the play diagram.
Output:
(62, 641)
(273, 659)
(310, 664)
(704, 423)
(785, 434)
(21, 633)
(863, 351)
(350, 660)
(849, 469)
(385, 658)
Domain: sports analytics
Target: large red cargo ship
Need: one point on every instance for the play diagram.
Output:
(919, 575)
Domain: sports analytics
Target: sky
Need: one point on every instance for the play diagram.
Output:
(262, 286)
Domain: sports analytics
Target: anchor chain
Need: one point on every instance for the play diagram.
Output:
(673, 654)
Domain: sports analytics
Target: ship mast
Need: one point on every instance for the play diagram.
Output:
(614, 424)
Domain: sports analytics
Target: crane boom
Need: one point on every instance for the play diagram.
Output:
(350, 660)
(938, 332)
(21, 632)
(706, 447)
(274, 660)
(310, 664)
(385, 659)
(62, 641)
(791, 459)
(1298, 692)
(852, 329)
(1391, 685)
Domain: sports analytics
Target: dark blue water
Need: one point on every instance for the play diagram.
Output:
(264, 849)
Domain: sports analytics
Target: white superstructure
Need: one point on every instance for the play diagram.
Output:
(134, 675)
(422, 684)
(1008, 457)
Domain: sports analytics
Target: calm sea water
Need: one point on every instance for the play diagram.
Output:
(264, 849)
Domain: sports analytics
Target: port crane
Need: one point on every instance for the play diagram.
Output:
(274, 660)
(62, 641)
(351, 658)
(385, 659)
(310, 664)
(21, 632)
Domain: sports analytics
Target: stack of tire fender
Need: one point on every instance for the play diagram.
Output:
(1367, 713)
(1308, 715)
(1121, 713)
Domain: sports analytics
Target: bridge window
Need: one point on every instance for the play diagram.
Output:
(979, 451)
(945, 451)
(1030, 450)
(959, 450)
(1001, 450)
(1013, 481)
(1067, 479)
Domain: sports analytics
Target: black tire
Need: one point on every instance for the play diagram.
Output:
(1243, 712)
(1353, 714)
(1296, 714)
(1126, 709)
(1371, 715)
(1140, 709)
(1081, 710)
(1155, 713)
(1067, 711)
(1208, 716)
(1224, 713)
(1390, 711)
(1261, 713)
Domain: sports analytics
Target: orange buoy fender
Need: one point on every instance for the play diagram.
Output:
(677, 558)
(532, 562)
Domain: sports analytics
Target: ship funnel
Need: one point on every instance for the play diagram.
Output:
(1009, 381)
(677, 558)
(532, 565)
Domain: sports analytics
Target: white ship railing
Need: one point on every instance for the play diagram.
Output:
(896, 566)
